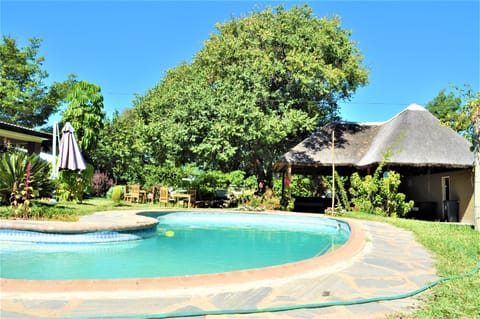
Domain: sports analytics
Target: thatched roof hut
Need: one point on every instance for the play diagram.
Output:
(416, 137)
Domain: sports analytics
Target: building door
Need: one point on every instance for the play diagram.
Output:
(445, 188)
(445, 197)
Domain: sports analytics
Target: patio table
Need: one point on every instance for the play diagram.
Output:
(180, 196)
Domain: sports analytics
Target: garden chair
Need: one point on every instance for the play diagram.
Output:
(151, 195)
(163, 196)
(132, 193)
(192, 200)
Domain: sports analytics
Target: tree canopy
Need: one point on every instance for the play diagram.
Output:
(456, 111)
(119, 149)
(260, 84)
(85, 112)
(24, 97)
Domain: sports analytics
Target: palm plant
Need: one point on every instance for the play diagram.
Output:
(13, 170)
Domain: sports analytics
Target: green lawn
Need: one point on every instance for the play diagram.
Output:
(456, 249)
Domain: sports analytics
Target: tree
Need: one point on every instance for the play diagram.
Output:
(258, 86)
(24, 97)
(119, 150)
(448, 108)
(85, 113)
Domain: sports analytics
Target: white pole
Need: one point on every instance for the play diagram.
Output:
(54, 149)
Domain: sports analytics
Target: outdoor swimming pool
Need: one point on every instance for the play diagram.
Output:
(184, 243)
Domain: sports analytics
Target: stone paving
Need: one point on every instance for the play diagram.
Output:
(391, 263)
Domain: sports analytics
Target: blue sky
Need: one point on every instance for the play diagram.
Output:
(413, 49)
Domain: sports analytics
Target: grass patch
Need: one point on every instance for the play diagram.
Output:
(456, 249)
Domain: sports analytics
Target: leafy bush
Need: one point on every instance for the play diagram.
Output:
(117, 193)
(208, 182)
(393, 202)
(73, 184)
(236, 178)
(379, 195)
(101, 184)
(266, 201)
(250, 182)
(301, 185)
(342, 200)
(167, 175)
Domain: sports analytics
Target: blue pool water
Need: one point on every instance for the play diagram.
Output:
(182, 244)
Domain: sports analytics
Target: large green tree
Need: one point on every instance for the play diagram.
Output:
(24, 97)
(449, 108)
(260, 83)
(85, 112)
(120, 149)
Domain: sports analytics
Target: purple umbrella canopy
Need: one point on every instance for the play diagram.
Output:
(70, 156)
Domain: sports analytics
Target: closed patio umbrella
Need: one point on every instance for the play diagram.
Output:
(69, 156)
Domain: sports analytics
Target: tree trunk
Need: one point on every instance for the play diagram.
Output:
(264, 176)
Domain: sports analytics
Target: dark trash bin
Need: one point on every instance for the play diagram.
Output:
(450, 211)
(311, 204)
(441, 214)
(424, 211)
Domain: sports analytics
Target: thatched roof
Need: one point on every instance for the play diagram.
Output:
(416, 138)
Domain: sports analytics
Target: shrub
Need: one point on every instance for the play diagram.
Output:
(101, 184)
(54, 213)
(342, 200)
(13, 171)
(73, 184)
(117, 194)
(301, 185)
(42, 211)
(379, 194)
(208, 182)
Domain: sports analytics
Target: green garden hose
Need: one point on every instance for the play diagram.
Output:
(296, 307)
